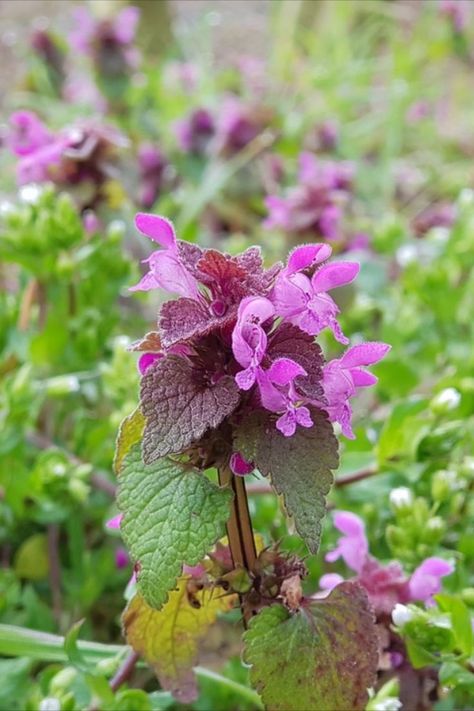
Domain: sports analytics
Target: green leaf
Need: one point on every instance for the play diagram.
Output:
(172, 515)
(322, 657)
(418, 656)
(130, 433)
(455, 675)
(168, 638)
(75, 655)
(460, 621)
(299, 466)
(132, 700)
(31, 560)
(180, 405)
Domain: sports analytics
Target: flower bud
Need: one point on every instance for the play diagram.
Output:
(434, 529)
(62, 680)
(445, 401)
(401, 614)
(401, 499)
(444, 482)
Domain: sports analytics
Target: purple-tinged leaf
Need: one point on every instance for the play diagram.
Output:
(322, 657)
(289, 341)
(299, 466)
(179, 404)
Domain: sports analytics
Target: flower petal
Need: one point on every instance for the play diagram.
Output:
(331, 276)
(364, 354)
(157, 228)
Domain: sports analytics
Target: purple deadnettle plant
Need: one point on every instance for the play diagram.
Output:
(234, 381)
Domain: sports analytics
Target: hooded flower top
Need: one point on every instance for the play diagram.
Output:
(386, 585)
(248, 333)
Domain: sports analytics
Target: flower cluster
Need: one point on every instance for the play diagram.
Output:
(108, 42)
(315, 207)
(226, 132)
(78, 155)
(251, 332)
(386, 585)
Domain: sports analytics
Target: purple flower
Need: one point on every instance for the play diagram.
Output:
(353, 546)
(114, 523)
(386, 585)
(91, 222)
(240, 466)
(305, 302)
(81, 154)
(39, 150)
(457, 11)
(438, 215)
(147, 359)
(328, 135)
(121, 558)
(108, 42)
(342, 377)
(249, 340)
(152, 168)
(166, 269)
(278, 394)
(237, 124)
(426, 579)
(275, 383)
(194, 133)
(27, 133)
(316, 204)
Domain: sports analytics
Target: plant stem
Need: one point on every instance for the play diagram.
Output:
(239, 525)
(26, 305)
(55, 570)
(22, 642)
(357, 476)
(125, 671)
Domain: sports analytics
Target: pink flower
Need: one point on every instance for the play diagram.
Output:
(152, 168)
(121, 558)
(240, 466)
(342, 377)
(457, 11)
(278, 394)
(114, 523)
(111, 36)
(195, 131)
(304, 301)
(166, 270)
(275, 383)
(237, 124)
(426, 579)
(353, 546)
(249, 340)
(27, 133)
(316, 204)
(386, 585)
(147, 359)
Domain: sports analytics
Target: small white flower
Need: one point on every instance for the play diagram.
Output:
(407, 254)
(30, 193)
(401, 497)
(448, 399)
(50, 703)
(401, 614)
(466, 197)
(390, 704)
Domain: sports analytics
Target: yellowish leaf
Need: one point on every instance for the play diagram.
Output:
(31, 560)
(168, 638)
(130, 433)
